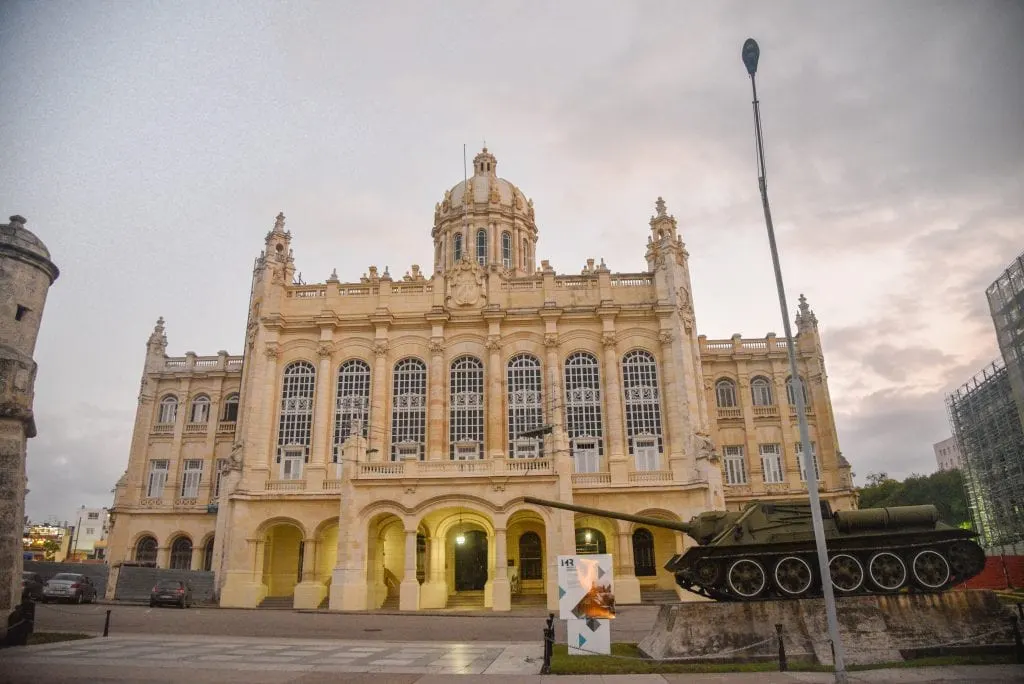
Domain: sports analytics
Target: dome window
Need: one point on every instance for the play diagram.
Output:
(481, 247)
(457, 248)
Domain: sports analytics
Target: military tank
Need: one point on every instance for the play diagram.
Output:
(767, 550)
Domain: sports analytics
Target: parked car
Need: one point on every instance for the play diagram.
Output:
(71, 587)
(173, 592)
(32, 585)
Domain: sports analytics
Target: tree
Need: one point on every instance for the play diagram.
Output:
(944, 489)
(50, 548)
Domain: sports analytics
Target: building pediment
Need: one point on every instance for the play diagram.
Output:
(465, 285)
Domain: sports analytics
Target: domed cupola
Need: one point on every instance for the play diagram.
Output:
(486, 219)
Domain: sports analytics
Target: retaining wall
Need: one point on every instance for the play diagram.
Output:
(136, 583)
(96, 572)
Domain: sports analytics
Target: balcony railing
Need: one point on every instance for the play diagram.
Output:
(730, 413)
(163, 429)
(285, 485)
(331, 485)
(591, 479)
(766, 412)
(226, 427)
(648, 476)
(195, 428)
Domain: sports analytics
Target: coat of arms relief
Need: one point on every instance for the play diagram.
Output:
(466, 284)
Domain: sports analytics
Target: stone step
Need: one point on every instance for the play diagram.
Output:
(529, 600)
(278, 602)
(466, 600)
(390, 603)
(658, 597)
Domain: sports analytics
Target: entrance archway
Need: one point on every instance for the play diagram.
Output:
(282, 559)
(470, 560)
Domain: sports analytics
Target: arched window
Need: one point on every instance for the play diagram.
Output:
(481, 247)
(457, 248)
(725, 393)
(168, 410)
(589, 540)
(352, 401)
(181, 554)
(583, 410)
(409, 410)
(761, 391)
(791, 394)
(466, 409)
(145, 550)
(200, 410)
(231, 409)
(643, 553)
(295, 428)
(526, 253)
(643, 408)
(531, 561)
(208, 555)
(525, 405)
(506, 249)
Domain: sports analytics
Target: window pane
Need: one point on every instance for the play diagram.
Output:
(466, 405)
(409, 404)
(525, 399)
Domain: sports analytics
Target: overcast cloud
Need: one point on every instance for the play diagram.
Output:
(150, 145)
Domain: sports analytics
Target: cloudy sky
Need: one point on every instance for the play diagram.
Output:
(151, 144)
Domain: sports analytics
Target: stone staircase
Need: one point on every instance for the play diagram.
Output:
(658, 597)
(278, 602)
(466, 600)
(390, 603)
(529, 600)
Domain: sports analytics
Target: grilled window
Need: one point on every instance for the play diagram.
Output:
(231, 409)
(157, 478)
(481, 247)
(409, 409)
(791, 391)
(803, 467)
(295, 428)
(457, 247)
(771, 463)
(735, 466)
(352, 402)
(583, 402)
(168, 410)
(525, 403)
(761, 391)
(643, 553)
(466, 408)
(506, 250)
(145, 550)
(181, 554)
(531, 561)
(643, 402)
(191, 477)
(200, 409)
(725, 393)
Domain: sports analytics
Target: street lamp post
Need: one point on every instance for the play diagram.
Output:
(751, 53)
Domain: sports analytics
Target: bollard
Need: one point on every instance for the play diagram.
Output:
(1018, 645)
(106, 624)
(1020, 610)
(549, 644)
(783, 665)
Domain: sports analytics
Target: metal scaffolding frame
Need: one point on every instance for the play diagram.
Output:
(987, 427)
(1006, 304)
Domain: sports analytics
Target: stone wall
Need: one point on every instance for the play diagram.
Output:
(96, 572)
(135, 583)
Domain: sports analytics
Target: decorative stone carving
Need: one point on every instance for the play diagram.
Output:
(436, 345)
(466, 284)
(705, 447)
(271, 350)
(665, 336)
(550, 339)
(493, 343)
(683, 302)
(380, 347)
(708, 384)
(234, 459)
(608, 339)
(324, 350)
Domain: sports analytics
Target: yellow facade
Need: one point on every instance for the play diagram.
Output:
(368, 447)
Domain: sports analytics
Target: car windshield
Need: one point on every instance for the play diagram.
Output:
(66, 576)
(168, 584)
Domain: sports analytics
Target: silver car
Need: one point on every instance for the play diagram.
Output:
(71, 587)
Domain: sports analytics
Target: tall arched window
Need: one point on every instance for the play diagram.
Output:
(643, 408)
(208, 555)
(725, 393)
(200, 410)
(409, 410)
(231, 408)
(352, 401)
(181, 554)
(457, 248)
(525, 405)
(466, 409)
(295, 428)
(583, 411)
(791, 393)
(531, 561)
(643, 553)
(761, 391)
(526, 253)
(168, 410)
(145, 550)
(481, 247)
(506, 249)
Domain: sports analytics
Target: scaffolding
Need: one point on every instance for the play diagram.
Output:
(1006, 304)
(987, 427)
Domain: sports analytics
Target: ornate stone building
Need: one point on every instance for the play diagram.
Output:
(373, 443)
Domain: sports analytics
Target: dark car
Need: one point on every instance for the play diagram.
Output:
(32, 585)
(69, 586)
(171, 592)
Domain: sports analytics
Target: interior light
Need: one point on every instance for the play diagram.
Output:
(586, 536)
(460, 539)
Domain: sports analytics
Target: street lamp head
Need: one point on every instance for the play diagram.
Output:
(751, 52)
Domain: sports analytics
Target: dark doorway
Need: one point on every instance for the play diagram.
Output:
(643, 553)
(471, 561)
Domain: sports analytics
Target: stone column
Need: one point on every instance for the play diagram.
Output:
(196, 562)
(309, 593)
(163, 557)
(495, 434)
(502, 590)
(323, 425)
(671, 386)
(627, 586)
(434, 592)
(378, 416)
(436, 424)
(615, 449)
(409, 590)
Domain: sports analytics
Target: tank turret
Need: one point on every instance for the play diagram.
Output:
(767, 550)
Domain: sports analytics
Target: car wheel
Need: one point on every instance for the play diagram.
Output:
(152, 604)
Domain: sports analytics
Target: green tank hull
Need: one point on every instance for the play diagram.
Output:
(767, 550)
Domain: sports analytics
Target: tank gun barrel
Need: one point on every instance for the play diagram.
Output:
(687, 528)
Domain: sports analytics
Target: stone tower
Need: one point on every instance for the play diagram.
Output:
(26, 274)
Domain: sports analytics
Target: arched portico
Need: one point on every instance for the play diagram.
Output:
(319, 553)
(282, 558)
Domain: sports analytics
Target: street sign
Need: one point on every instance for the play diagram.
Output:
(586, 600)
(589, 637)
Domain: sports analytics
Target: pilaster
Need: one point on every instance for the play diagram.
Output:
(502, 590)
(627, 586)
(409, 589)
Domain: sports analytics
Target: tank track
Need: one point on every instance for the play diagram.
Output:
(737, 574)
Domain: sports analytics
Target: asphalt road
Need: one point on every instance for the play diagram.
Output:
(632, 623)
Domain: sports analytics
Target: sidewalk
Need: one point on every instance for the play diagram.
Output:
(202, 660)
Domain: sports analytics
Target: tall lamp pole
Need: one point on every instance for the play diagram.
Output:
(751, 53)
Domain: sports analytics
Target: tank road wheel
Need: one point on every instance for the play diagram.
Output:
(746, 578)
(888, 571)
(930, 569)
(706, 572)
(967, 559)
(793, 576)
(846, 571)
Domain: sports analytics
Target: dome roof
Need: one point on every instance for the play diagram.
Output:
(486, 187)
(15, 238)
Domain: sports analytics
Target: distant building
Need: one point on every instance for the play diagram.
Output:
(985, 423)
(45, 542)
(947, 454)
(1006, 303)
(91, 525)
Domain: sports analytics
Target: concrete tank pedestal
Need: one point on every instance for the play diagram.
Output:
(873, 629)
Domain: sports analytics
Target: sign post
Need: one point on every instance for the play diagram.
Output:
(586, 601)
